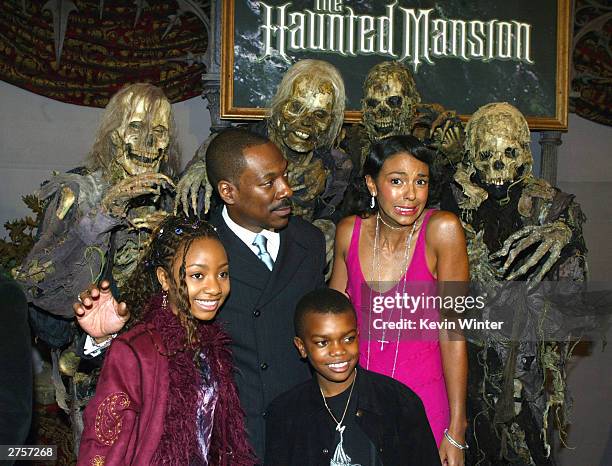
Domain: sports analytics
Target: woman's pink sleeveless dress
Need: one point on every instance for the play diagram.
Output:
(418, 362)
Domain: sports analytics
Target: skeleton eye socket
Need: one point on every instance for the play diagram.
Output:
(159, 130)
(321, 114)
(486, 155)
(295, 106)
(135, 124)
(394, 101)
(511, 152)
(372, 102)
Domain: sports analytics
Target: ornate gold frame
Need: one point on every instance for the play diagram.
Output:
(558, 122)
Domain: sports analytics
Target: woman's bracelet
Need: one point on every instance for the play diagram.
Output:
(454, 442)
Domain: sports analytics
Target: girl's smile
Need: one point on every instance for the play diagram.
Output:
(206, 277)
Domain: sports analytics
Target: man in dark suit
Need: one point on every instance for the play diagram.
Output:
(249, 174)
(274, 259)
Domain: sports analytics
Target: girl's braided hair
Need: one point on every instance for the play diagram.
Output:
(171, 240)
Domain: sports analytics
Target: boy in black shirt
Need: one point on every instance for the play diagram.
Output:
(345, 415)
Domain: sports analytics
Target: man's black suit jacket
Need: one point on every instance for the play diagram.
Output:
(258, 315)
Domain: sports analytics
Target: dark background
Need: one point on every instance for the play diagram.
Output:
(456, 84)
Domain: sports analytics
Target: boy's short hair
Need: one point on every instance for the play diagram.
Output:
(321, 301)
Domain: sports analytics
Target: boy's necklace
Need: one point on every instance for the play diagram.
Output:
(339, 423)
(340, 456)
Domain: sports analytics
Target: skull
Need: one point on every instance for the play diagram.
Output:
(497, 145)
(142, 140)
(307, 114)
(390, 97)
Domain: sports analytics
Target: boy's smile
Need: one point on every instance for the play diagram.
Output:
(330, 343)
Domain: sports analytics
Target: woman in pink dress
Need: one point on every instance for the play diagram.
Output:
(395, 248)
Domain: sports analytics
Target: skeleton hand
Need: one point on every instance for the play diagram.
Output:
(295, 177)
(482, 272)
(189, 187)
(296, 173)
(315, 179)
(310, 177)
(329, 231)
(448, 139)
(474, 195)
(552, 238)
(98, 313)
(117, 198)
(148, 221)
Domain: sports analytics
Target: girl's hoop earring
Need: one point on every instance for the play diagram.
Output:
(372, 201)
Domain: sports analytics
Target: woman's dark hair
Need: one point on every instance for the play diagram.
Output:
(378, 155)
(175, 234)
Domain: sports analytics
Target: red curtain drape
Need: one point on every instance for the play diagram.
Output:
(106, 44)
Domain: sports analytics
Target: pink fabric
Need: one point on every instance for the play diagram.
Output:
(419, 362)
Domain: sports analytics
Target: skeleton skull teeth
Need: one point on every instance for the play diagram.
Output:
(384, 124)
(301, 134)
(144, 157)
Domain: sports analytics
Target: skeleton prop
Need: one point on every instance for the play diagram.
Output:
(518, 228)
(389, 101)
(117, 194)
(496, 178)
(391, 105)
(305, 118)
(98, 220)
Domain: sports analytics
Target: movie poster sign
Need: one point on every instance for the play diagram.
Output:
(462, 54)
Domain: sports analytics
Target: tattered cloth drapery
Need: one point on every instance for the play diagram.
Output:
(83, 51)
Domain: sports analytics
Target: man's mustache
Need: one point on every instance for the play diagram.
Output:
(281, 205)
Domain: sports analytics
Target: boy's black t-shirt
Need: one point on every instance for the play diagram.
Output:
(357, 445)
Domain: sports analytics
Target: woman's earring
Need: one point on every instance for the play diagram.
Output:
(372, 201)
(164, 300)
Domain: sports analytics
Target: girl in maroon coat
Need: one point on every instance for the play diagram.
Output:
(165, 393)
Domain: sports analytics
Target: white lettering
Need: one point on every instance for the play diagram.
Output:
(439, 37)
(334, 28)
(297, 31)
(366, 28)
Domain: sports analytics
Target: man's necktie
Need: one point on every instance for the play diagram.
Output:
(261, 241)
